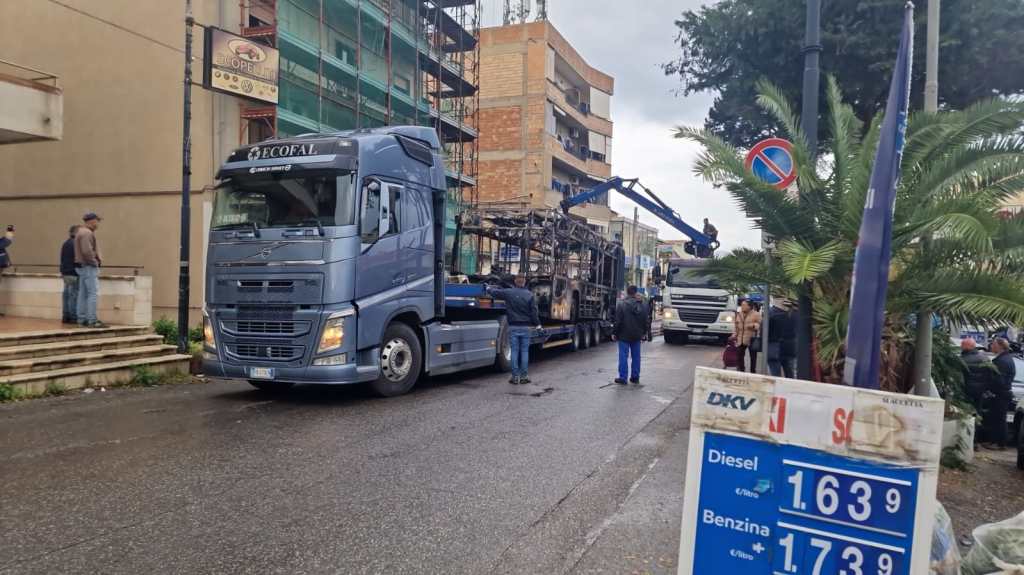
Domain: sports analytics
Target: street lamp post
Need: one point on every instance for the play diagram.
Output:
(923, 348)
(186, 172)
(809, 124)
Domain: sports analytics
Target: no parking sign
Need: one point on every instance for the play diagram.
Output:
(791, 477)
(772, 161)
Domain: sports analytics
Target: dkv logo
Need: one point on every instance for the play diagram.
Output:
(730, 401)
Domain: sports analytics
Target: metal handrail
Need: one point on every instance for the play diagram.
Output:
(45, 75)
(135, 269)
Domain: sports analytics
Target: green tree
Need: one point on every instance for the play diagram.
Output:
(959, 168)
(731, 45)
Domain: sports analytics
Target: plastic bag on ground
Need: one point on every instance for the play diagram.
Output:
(945, 557)
(998, 549)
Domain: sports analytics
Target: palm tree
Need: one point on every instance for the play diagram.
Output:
(959, 169)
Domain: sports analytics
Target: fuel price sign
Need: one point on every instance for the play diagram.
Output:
(799, 478)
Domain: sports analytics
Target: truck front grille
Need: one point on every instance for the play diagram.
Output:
(266, 327)
(266, 352)
(698, 316)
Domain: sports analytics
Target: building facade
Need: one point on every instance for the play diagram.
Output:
(640, 244)
(545, 120)
(344, 64)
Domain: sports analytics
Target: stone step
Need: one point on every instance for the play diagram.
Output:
(55, 362)
(77, 346)
(98, 375)
(70, 334)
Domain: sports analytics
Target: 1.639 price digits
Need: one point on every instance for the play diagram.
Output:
(849, 498)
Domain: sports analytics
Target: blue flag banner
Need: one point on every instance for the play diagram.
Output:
(874, 244)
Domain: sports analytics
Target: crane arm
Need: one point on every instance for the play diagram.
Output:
(637, 192)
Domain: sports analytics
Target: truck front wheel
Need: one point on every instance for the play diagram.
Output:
(401, 360)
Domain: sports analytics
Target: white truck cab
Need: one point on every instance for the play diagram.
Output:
(694, 304)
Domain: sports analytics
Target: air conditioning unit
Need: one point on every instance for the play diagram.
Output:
(574, 133)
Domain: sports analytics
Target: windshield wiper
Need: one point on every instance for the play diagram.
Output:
(248, 225)
(316, 222)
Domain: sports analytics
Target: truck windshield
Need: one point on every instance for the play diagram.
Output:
(279, 202)
(690, 278)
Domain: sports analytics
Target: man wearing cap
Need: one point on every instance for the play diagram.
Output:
(87, 264)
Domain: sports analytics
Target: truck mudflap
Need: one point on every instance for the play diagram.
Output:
(461, 345)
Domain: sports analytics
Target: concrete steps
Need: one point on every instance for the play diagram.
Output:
(69, 334)
(67, 358)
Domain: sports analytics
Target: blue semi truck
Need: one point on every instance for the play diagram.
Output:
(327, 265)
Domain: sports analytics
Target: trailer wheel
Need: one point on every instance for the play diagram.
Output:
(401, 360)
(596, 331)
(577, 339)
(587, 337)
(503, 359)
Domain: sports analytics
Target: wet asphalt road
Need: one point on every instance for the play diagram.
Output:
(467, 474)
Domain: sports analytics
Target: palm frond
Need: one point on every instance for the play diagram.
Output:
(745, 270)
(934, 137)
(803, 262)
(860, 179)
(972, 298)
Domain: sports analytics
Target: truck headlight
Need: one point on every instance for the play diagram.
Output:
(670, 313)
(209, 341)
(333, 335)
(725, 317)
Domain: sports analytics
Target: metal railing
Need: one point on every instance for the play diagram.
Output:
(38, 75)
(15, 268)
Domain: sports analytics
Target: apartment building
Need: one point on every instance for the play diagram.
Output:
(545, 120)
(640, 244)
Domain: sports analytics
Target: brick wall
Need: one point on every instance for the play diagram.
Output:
(501, 129)
(500, 180)
(501, 74)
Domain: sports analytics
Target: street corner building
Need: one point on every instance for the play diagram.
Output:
(91, 117)
(545, 121)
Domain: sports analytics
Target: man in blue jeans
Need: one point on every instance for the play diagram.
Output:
(523, 319)
(70, 274)
(632, 323)
(87, 264)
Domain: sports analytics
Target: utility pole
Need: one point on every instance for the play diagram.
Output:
(923, 348)
(809, 123)
(186, 172)
(635, 248)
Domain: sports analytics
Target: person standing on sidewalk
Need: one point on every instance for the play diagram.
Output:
(5, 259)
(744, 329)
(632, 323)
(994, 419)
(87, 263)
(523, 319)
(70, 276)
(781, 339)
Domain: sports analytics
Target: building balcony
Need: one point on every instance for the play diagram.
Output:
(572, 158)
(33, 109)
(575, 111)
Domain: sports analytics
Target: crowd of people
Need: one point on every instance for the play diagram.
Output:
(746, 336)
(80, 262)
(988, 384)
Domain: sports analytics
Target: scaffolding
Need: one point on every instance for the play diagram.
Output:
(349, 64)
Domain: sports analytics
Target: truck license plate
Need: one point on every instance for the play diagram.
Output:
(261, 372)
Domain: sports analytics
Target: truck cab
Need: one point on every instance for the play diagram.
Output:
(325, 263)
(693, 304)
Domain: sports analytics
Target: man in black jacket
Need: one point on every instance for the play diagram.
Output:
(781, 338)
(1001, 390)
(5, 259)
(67, 271)
(523, 319)
(632, 323)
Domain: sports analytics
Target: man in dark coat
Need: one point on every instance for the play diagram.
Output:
(70, 276)
(523, 319)
(1001, 390)
(781, 338)
(632, 324)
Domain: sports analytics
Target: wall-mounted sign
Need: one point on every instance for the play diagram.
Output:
(239, 66)
(791, 477)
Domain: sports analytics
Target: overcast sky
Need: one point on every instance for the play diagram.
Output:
(629, 40)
